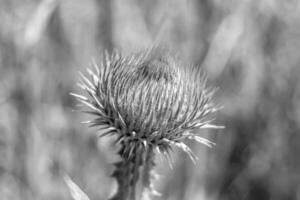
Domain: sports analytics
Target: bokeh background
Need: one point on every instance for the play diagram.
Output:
(249, 48)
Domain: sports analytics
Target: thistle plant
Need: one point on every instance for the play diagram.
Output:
(150, 102)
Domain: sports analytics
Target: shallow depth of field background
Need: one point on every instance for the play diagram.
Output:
(250, 49)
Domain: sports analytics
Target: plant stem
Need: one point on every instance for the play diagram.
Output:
(148, 175)
(134, 155)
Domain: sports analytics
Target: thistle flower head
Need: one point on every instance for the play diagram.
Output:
(149, 99)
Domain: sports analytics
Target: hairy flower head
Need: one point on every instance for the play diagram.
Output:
(149, 99)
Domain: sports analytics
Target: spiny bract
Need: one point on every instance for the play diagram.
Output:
(148, 98)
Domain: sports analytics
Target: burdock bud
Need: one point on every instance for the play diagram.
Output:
(149, 101)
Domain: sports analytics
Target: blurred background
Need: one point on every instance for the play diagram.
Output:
(249, 49)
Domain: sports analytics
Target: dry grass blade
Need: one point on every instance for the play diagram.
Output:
(74, 189)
